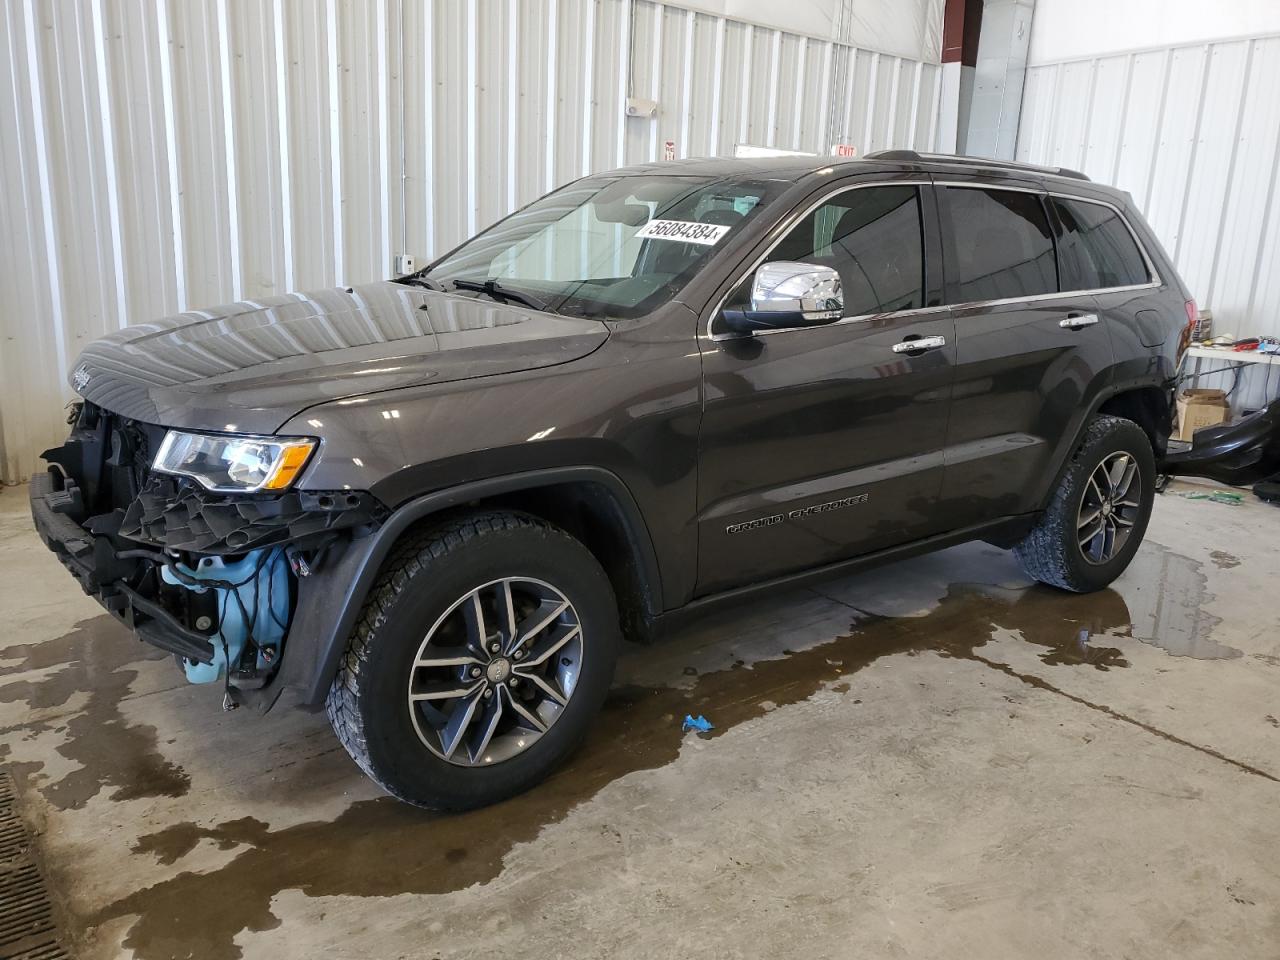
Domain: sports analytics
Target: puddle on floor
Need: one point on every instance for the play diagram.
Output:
(97, 657)
(1165, 593)
(1223, 560)
(381, 847)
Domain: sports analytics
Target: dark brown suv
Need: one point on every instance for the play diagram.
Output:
(437, 504)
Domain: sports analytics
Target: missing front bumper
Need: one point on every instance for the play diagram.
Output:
(88, 557)
(127, 562)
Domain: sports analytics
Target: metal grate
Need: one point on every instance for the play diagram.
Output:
(51, 950)
(27, 929)
(13, 838)
(25, 911)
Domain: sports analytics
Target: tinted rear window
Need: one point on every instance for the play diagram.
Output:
(1097, 250)
(1000, 245)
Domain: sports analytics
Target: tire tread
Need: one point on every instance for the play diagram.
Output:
(1043, 552)
(409, 558)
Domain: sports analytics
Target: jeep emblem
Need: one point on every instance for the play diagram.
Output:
(80, 379)
(498, 670)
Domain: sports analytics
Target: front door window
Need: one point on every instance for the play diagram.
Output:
(872, 237)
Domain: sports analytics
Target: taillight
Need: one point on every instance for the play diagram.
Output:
(1193, 318)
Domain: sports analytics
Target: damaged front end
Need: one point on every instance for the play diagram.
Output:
(212, 577)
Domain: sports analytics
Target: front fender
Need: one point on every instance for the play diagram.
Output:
(331, 598)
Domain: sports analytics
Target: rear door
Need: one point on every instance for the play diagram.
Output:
(1029, 357)
(1099, 252)
(822, 443)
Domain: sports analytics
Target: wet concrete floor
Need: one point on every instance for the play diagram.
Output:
(921, 728)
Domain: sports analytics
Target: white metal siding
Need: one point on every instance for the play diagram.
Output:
(1193, 133)
(160, 156)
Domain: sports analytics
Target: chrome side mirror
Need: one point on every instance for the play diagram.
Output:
(786, 294)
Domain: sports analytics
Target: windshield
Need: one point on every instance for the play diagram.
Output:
(604, 246)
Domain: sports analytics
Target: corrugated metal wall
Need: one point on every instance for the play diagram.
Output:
(157, 156)
(1193, 132)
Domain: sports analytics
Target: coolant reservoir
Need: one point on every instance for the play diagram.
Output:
(252, 598)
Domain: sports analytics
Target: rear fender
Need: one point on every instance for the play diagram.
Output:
(1133, 401)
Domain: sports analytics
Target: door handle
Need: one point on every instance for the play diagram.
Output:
(1077, 320)
(919, 344)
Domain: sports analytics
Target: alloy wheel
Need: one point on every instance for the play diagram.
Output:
(1109, 507)
(495, 671)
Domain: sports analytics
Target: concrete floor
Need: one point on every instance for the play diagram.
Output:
(934, 759)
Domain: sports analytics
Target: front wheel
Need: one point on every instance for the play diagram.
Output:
(1099, 512)
(479, 662)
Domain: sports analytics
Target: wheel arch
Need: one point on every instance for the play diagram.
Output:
(1145, 403)
(1148, 407)
(591, 503)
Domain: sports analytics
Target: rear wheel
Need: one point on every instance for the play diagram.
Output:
(478, 663)
(1099, 512)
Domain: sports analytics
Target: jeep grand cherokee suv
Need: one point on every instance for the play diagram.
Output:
(437, 504)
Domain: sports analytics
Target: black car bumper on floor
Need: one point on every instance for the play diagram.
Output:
(1239, 453)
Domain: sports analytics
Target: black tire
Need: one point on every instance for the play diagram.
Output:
(1051, 552)
(427, 573)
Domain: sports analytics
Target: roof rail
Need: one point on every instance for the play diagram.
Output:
(912, 155)
(892, 155)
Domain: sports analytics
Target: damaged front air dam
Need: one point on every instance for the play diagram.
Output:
(181, 515)
(252, 553)
(220, 580)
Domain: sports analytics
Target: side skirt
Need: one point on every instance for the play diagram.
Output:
(1004, 532)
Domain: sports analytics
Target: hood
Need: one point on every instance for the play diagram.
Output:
(250, 366)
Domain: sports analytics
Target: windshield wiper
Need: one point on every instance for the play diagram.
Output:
(419, 280)
(506, 294)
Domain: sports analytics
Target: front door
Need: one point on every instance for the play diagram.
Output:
(824, 443)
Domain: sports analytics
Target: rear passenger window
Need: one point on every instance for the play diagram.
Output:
(1096, 249)
(1000, 245)
(872, 237)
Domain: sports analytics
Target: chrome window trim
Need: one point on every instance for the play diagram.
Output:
(1009, 188)
(972, 304)
(860, 318)
(1154, 283)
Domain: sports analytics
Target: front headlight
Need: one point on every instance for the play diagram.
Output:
(227, 463)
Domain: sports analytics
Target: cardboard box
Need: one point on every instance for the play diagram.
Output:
(1201, 408)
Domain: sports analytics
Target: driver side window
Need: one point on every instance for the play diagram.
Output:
(872, 237)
